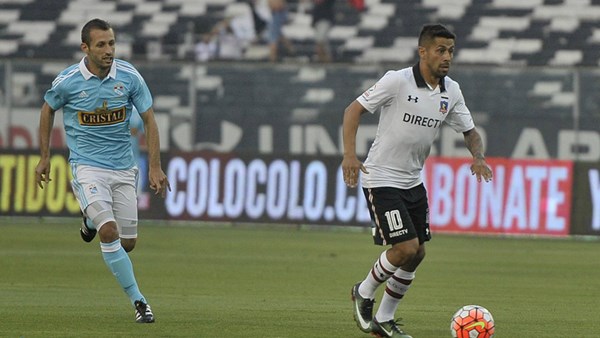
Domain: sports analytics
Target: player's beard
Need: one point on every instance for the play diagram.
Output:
(106, 62)
(442, 71)
(102, 64)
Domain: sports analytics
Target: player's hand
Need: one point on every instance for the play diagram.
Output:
(42, 172)
(480, 169)
(158, 182)
(350, 167)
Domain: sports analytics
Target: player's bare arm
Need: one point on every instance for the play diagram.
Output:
(157, 178)
(350, 163)
(479, 167)
(42, 170)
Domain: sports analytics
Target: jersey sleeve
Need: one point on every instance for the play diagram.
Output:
(54, 96)
(459, 117)
(380, 93)
(141, 96)
(136, 120)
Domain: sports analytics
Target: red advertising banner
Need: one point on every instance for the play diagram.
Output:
(525, 197)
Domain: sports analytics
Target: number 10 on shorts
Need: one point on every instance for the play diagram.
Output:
(394, 220)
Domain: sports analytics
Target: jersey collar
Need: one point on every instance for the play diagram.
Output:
(87, 74)
(421, 81)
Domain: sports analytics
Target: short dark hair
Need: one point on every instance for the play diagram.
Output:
(93, 24)
(431, 31)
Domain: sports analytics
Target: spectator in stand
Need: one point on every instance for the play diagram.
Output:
(279, 16)
(206, 48)
(359, 5)
(259, 20)
(229, 38)
(323, 18)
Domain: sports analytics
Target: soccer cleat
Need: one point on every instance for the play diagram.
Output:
(388, 329)
(363, 310)
(143, 313)
(86, 233)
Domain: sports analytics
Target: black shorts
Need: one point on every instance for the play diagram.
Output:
(398, 215)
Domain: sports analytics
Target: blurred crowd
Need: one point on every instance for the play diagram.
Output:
(261, 22)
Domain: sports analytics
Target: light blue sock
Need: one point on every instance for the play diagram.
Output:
(120, 265)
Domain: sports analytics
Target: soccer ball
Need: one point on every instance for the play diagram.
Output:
(472, 321)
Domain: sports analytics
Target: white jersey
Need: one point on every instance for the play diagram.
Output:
(411, 114)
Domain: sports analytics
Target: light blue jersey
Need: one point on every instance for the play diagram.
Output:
(96, 112)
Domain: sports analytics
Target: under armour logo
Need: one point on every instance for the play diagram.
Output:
(410, 98)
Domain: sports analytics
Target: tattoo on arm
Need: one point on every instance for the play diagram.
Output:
(474, 144)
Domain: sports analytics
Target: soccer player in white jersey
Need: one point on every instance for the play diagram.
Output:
(413, 103)
(97, 96)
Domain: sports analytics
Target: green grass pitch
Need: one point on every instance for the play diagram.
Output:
(228, 281)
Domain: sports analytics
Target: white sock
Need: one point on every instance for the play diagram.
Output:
(381, 271)
(395, 289)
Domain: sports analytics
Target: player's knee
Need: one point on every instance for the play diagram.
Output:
(128, 244)
(420, 254)
(108, 232)
(404, 252)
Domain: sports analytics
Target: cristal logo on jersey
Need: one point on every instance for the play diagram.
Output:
(102, 116)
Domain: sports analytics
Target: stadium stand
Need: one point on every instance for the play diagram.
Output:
(491, 32)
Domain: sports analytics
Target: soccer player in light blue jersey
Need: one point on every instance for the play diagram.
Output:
(97, 97)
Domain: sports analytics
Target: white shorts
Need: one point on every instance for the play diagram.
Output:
(116, 187)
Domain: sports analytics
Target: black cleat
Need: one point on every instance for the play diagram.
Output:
(86, 233)
(143, 313)
(363, 310)
(389, 329)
